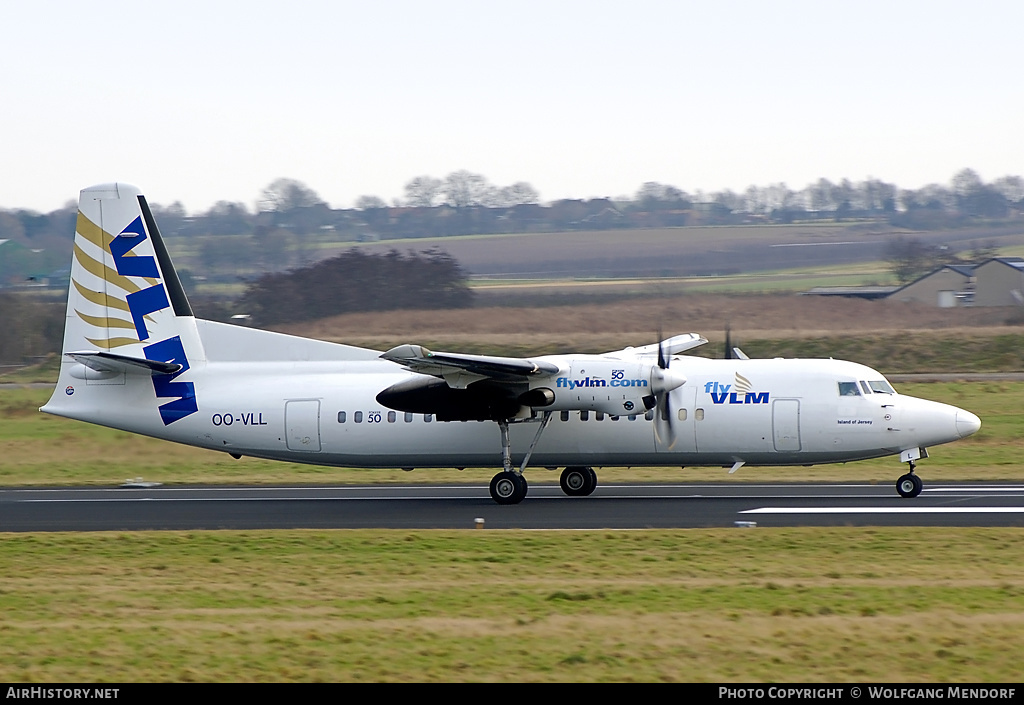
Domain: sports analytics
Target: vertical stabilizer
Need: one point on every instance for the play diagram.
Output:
(125, 303)
(124, 292)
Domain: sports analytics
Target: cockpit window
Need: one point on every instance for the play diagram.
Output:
(848, 389)
(865, 387)
(880, 386)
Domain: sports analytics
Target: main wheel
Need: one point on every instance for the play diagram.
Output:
(578, 481)
(574, 481)
(508, 488)
(909, 485)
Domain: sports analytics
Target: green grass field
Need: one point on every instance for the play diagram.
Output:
(844, 605)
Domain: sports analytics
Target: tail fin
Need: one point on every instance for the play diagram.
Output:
(124, 292)
(126, 304)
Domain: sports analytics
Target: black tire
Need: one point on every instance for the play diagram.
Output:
(909, 485)
(593, 480)
(508, 488)
(575, 481)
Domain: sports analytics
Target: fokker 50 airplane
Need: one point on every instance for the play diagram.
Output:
(135, 358)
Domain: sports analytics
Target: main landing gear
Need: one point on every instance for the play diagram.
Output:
(909, 485)
(510, 487)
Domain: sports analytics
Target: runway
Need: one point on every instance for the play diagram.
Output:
(545, 507)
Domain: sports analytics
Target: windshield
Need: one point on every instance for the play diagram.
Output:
(881, 387)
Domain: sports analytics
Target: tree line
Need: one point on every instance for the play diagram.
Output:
(358, 281)
(466, 202)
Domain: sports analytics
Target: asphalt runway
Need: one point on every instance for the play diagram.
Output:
(545, 507)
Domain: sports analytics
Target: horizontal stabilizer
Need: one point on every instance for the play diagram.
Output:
(110, 362)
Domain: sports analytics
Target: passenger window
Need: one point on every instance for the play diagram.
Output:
(614, 418)
(699, 414)
(649, 415)
(391, 417)
(427, 418)
(599, 416)
(584, 415)
(631, 417)
(408, 417)
(358, 417)
(848, 389)
(564, 415)
(682, 414)
(341, 417)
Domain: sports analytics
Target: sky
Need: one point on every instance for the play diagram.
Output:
(199, 102)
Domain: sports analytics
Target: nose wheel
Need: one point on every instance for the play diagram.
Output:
(909, 485)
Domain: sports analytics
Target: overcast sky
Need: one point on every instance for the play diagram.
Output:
(204, 101)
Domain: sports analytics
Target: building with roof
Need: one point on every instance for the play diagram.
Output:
(999, 282)
(946, 287)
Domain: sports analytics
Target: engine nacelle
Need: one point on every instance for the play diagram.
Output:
(614, 387)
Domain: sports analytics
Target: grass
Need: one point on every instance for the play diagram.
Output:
(38, 449)
(885, 605)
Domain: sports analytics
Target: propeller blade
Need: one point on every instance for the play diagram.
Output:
(667, 380)
(664, 426)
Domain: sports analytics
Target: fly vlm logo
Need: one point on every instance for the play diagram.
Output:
(147, 301)
(720, 393)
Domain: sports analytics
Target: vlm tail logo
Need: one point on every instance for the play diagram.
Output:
(720, 393)
(150, 300)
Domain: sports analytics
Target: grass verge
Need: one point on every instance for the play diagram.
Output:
(886, 605)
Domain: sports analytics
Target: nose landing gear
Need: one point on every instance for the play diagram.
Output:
(909, 485)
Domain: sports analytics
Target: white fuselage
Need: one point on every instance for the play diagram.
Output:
(782, 412)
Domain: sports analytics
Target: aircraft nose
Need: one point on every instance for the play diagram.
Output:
(966, 423)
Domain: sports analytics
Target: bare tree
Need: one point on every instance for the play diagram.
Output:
(464, 188)
(287, 194)
(518, 194)
(423, 191)
(364, 203)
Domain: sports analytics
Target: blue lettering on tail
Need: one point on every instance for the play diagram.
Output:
(130, 238)
(171, 350)
(146, 301)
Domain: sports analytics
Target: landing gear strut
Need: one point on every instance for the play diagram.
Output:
(909, 485)
(509, 486)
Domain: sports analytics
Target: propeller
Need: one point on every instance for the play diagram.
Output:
(664, 380)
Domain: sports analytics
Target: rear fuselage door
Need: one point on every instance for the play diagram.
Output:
(302, 425)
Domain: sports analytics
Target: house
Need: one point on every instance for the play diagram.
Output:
(947, 287)
(999, 282)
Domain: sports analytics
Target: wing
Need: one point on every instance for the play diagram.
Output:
(460, 370)
(670, 346)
